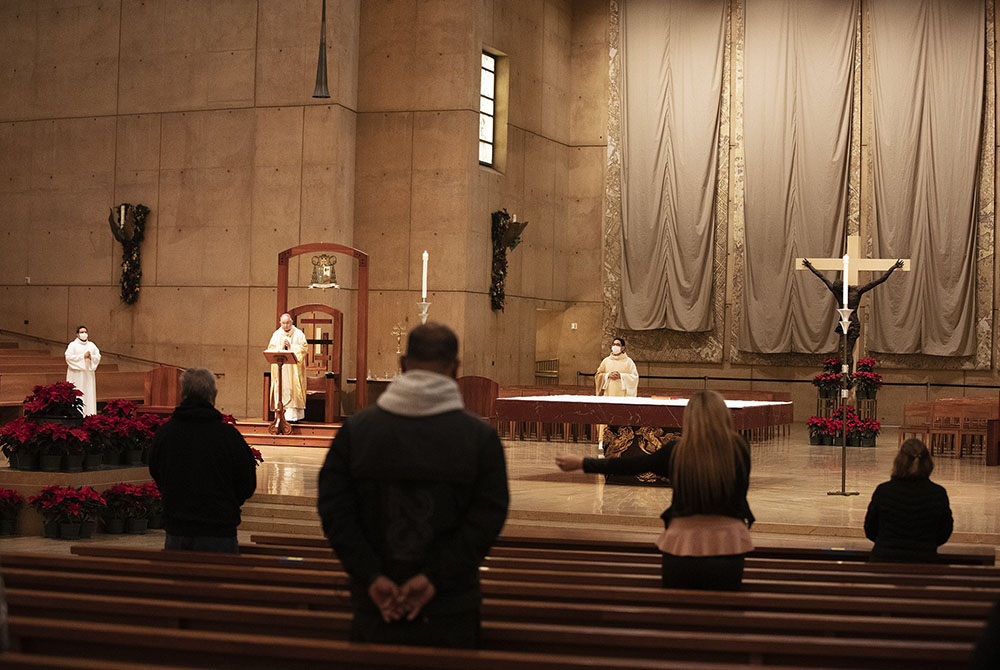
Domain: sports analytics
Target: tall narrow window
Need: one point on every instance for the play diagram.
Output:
(487, 109)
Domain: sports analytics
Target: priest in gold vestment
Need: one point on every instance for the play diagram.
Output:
(293, 377)
(616, 377)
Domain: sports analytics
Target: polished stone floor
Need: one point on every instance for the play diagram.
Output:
(788, 490)
(788, 486)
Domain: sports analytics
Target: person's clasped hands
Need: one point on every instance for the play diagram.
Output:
(397, 602)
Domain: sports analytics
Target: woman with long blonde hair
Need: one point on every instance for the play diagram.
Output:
(706, 535)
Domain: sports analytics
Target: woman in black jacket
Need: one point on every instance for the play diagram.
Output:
(909, 516)
(706, 536)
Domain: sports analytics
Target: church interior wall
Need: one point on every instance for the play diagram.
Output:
(202, 112)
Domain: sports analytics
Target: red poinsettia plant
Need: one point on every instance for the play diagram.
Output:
(16, 437)
(11, 503)
(126, 501)
(867, 381)
(23, 436)
(866, 364)
(258, 457)
(130, 433)
(827, 381)
(62, 504)
(56, 440)
(154, 499)
(61, 399)
(120, 408)
(832, 364)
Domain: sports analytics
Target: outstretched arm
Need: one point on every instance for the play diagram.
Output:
(870, 285)
(829, 284)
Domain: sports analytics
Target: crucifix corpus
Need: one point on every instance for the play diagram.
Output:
(851, 264)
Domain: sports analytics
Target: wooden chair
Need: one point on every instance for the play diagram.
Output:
(946, 426)
(975, 417)
(917, 418)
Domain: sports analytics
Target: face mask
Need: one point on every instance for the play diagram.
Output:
(615, 349)
(83, 337)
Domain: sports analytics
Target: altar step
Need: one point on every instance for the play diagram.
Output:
(287, 515)
(303, 434)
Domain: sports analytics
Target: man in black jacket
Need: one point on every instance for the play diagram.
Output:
(204, 469)
(412, 495)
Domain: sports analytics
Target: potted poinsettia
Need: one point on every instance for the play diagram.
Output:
(870, 428)
(816, 425)
(62, 510)
(828, 384)
(154, 499)
(11, 503)
(832, 430)
(58, 444)
(61, 402)
(18, 445)
(867, 384)
(127, 504)
(101, 445)
(93, 507)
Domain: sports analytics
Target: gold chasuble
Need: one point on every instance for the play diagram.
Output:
(293, 377)
(627, 385)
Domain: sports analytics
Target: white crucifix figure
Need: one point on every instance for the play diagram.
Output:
(855, 264)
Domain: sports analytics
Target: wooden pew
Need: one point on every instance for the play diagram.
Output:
(258, 651)
(110, 385)
(755, 569)
(296, 622)
(205, 585)
(612, 543)
(18, 661)
(754, 647)
(57, 367)
(623, 643)
(774, 581)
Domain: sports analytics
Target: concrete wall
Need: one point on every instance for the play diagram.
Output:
(420, 185)
(202, 112)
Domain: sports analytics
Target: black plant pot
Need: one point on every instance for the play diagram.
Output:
(74, 462)
(50, 462)
(114, 526)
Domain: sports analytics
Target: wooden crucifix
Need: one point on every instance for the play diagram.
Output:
(856, 264)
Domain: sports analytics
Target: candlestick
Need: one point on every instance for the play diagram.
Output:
(423, 283)
(845, 280)
(424, 306)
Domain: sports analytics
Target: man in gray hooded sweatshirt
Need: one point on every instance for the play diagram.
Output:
(412, 495)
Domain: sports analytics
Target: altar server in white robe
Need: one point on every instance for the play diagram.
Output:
(82, 359)
(616, 377)
(293, 377)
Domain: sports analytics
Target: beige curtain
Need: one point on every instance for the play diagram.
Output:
(673, 64)
(928, 104)
(799, 75)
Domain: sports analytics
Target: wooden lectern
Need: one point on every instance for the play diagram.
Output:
(279, 426)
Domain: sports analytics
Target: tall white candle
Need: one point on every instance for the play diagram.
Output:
(121, 220)
(845, 280)
(423, 283)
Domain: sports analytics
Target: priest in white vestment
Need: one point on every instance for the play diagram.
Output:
(82, 359)
(616, 377)
(293, 377)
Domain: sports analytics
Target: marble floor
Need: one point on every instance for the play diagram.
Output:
(788, 490)
(788, 487)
